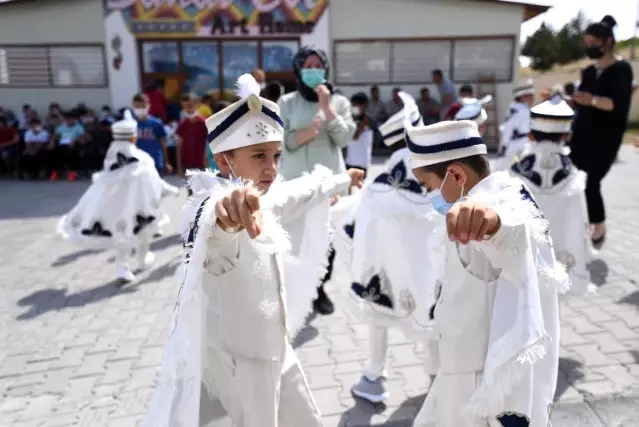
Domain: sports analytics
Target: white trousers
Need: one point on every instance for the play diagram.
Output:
(123, 255)
(262, 393)
(377, 351)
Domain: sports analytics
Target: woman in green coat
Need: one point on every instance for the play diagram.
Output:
(318, 124)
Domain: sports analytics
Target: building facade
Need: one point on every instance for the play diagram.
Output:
(102, 52)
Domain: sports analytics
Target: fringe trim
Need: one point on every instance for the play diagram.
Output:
(489, 398)
(555, 277)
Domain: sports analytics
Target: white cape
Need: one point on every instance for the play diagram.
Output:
(178, 398)
(122, 203)
(385, 239)
(558, 187)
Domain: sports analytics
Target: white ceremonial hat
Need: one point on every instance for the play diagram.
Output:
(443, 142)
(250, 121)
(126, 128)
(473, 109)
(552, 116)
(526, 89)
(394, 128)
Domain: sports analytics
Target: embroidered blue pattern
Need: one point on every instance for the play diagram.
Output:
(122, 161)
(96, 230)
(513, 420)
(398, 179)
(525, 168)
(349, 229)
(564, 172)
(141, 222)
(372, 292)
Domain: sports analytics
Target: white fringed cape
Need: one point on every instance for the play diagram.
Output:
(115, 200)
(524, 340)
(177, 398)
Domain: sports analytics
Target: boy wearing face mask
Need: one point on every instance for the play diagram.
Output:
(151, 134)
(246, 287)
(35, 141)
(191, 133)
(360, 152)
(497, 314)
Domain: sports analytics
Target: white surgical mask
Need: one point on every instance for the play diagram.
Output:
(356, 111)
(190, 115)
(141, 112)
(262, 85)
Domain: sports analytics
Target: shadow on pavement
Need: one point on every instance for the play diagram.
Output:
(598, 269)
(363, 412)
(39, 199)
(46, 300)
(631, 299)
(166, 242)
(569, 373)
(72, 257)
(161, 272)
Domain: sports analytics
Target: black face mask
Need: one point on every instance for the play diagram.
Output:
(595, 52)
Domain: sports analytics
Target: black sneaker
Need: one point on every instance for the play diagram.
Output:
(323, 305)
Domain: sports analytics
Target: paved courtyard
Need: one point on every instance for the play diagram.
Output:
(76, 350)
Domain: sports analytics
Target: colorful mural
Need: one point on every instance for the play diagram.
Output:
(211, 18)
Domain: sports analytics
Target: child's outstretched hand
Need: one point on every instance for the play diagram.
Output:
(467, 221)
(238, 210)
(357, 177)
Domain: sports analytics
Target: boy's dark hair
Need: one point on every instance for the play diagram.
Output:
(3, 119)
(35, 121)
(189, 96)
(206, 97)
(478, 163)
(360, 98)
(546, 136)
(69, 114)
(140, 97)
(569, 89)
(438, 73)
(466, 89)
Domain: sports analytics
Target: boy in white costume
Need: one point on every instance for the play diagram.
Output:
(558, 187)
(121, 208)
(233, 324)
(384, 243)
(497, 314)
(514, 130)
(473, 109)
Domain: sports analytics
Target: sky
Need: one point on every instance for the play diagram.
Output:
(624, 12)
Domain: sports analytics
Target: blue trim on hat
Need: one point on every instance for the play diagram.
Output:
(534, 115)
(402, 130)
(446, 146)
(236, 115)
(468, 118)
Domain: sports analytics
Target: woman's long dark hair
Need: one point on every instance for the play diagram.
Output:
(603, 30)
(298, 62)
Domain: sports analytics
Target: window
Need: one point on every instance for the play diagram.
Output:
(411, 61)
(201, 66)
(160, 57)
(238, 57)
(362, 62)
(52, 66)
(277, 56)
(480, 59)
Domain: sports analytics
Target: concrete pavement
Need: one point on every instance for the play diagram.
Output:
(75, 350)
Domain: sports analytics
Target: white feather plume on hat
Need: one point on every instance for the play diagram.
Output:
(246, 86)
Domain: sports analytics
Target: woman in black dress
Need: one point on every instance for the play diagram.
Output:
(603, 104)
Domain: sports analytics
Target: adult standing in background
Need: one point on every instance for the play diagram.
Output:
(603, 103)
(318, 124)
(396, 104)
(428, 107)
(376, 107)
(447, 93)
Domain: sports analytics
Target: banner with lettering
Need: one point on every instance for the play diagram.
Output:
(217, 18)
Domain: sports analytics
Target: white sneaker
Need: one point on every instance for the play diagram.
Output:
(147, 261)
(125, 275)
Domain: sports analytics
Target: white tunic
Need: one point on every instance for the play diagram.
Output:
(233, 294)
(558, 187)
(497, 318)
(122, 204)
(514, 132)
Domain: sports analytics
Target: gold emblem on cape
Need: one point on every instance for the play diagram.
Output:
(254, 103)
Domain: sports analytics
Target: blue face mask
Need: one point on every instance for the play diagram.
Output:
(313, 77)
(439, 203)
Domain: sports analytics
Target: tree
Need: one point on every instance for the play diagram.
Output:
(541, 48)
(570, 40)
